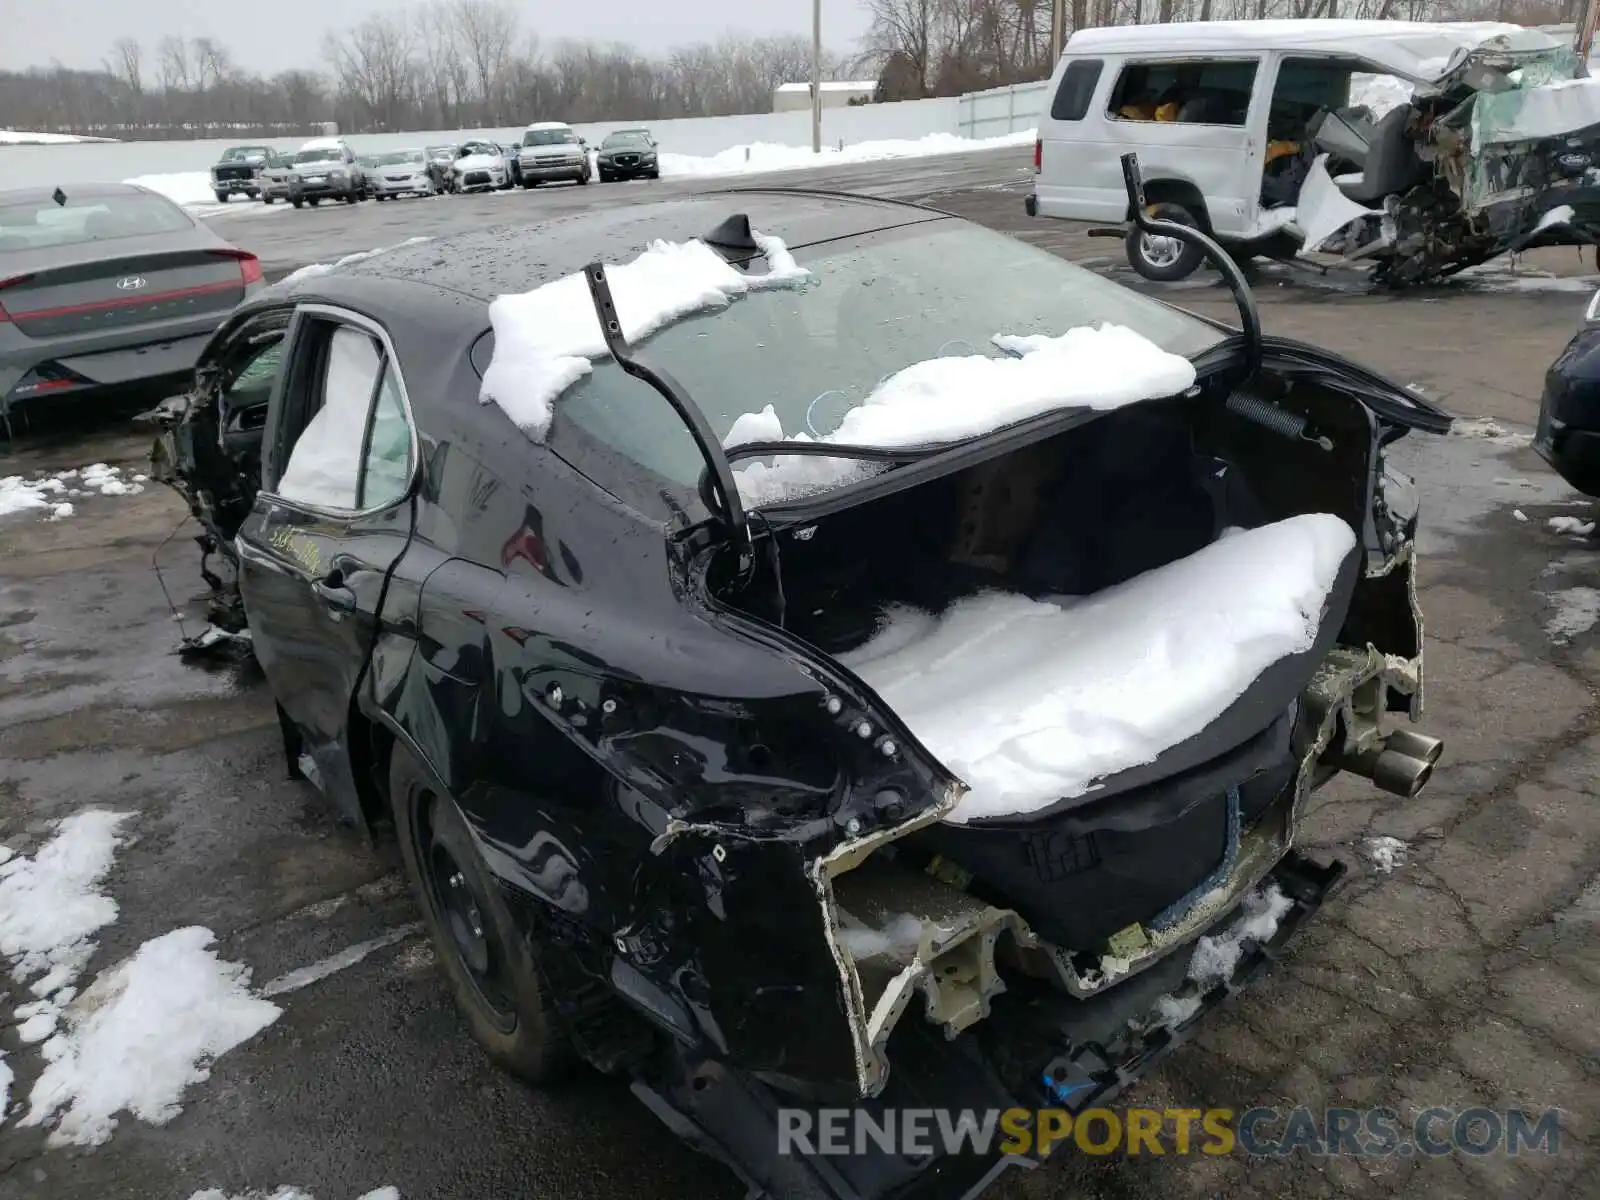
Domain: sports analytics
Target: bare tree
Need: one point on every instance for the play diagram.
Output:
(173, 57)
(487, 29)
(373, 64)
(210, 61)
(127, 63)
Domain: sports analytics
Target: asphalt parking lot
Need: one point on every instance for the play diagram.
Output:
(1467, 974)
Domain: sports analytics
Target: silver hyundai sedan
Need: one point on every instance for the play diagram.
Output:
(107, 285)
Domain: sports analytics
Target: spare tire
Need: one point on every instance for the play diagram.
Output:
(1164, 259)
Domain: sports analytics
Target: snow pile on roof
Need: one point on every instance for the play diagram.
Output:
(1031, 701)
(141, 1033)
(944, 400)
(52, 491)
(760, 157)
(311, 270)
(544, 338)
(1572, 525)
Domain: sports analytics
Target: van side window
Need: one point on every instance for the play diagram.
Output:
(1077, 89)
(1216, 92)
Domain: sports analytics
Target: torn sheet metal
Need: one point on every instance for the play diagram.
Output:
(1323, 210)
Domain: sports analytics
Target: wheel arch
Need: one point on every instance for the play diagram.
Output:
(1173, 190)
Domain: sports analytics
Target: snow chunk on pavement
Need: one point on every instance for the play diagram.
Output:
(1031, 701)
(51, 904)
(1577, 610)
(140, 1034)
(1384, 853)
(1571, 525)
(5, 1086)
(943, 400)
(544, 339)
(18, 494)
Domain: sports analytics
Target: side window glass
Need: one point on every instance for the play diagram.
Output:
(387, 468)
(324, 466)
(1077, 89)
(1191, 93)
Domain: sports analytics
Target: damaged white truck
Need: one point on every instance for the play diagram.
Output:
(1413, 150)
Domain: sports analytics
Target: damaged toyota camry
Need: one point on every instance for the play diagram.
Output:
(813, 650)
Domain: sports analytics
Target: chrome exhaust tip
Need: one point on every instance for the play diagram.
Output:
(1415, 745)
(1400, 763)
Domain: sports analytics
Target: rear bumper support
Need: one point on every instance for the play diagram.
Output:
(1082, 1056)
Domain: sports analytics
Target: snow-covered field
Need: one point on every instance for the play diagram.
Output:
(18, 137)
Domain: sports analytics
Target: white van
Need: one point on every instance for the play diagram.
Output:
(1217, 111)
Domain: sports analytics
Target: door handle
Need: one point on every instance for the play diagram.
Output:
(332, 590)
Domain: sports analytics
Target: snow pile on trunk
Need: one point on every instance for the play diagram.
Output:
(544, 339)
(50, 493)
(945, 400)
(141, 1033)
(1031, 701)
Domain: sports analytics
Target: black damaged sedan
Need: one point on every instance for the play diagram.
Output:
(790, 690)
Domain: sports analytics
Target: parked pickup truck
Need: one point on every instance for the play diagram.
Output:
(238, 171)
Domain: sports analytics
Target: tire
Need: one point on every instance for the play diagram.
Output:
(222, 197)
(267, 197)
(314, 201)
(499, 991)
(656, 174)
(1154, 258)
(380, 197)
(296, 201)
(529, 184)
(583, 180)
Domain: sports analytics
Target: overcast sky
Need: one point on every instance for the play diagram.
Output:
(274, 35)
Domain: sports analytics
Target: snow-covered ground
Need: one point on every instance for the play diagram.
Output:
(290, 1193)
(145, 1028)
(19, 137)
(54, 496)
(193, 188)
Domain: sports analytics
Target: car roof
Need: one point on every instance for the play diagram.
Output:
(548, 125)
(485, 263)
(1415, 49)
(74, 191)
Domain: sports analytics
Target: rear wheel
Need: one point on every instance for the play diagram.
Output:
(487, 963)
(1164, 259)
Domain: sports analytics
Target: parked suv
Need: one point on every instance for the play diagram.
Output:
(326, 168)
(552, 150)
(238, 172)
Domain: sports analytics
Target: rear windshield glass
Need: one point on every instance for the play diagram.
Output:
(548, 137)
(41, 223)
(874, 305)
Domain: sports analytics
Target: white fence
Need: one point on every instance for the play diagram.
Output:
(1001, 110)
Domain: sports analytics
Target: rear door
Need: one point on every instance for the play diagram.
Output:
(332, 519)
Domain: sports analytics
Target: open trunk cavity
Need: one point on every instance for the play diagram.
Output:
(1101, 881)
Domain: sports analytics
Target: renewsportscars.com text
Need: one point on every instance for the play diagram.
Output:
(1262, 1132)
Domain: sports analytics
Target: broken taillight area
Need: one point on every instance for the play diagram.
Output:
(1138, 644)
